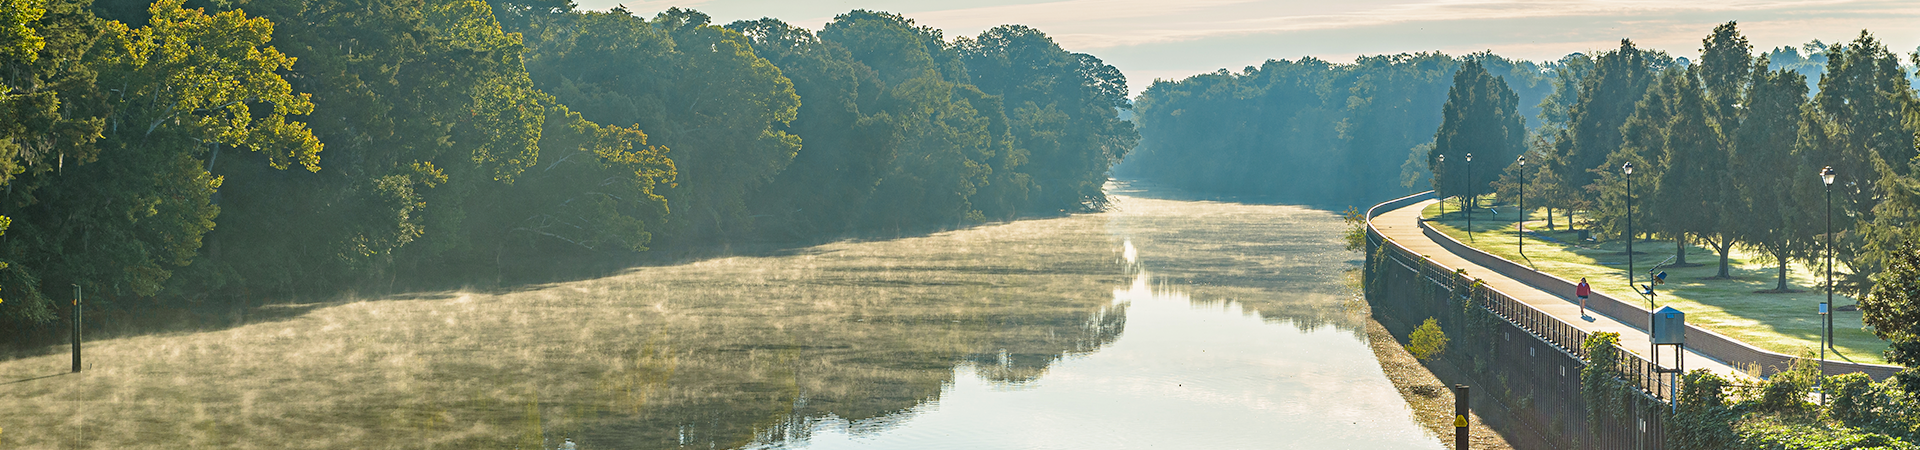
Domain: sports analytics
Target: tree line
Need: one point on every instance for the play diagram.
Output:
(1726, 153)
(1309, 129)
(223, 151)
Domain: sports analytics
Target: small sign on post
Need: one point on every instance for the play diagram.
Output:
(1460, 417)
(76, 328)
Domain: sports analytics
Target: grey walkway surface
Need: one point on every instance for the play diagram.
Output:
(1403, 226)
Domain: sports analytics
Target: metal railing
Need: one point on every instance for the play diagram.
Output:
(1640, 373)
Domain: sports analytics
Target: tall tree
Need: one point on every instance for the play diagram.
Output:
(1607, 97)
(696, 88)
(1774, 135)
(1693, 185)
(951, 131)
(1869, 142)
(120, 222)
(1064, 108)
(55, 113)
(1479, 118)
(1892, 305)
(847, 140)
(1642, 143)
(1556, 109)
(1725, 71)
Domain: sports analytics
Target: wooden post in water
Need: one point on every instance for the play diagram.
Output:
(76, 328)
(1459, 417)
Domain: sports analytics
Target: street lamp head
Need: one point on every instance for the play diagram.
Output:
(1443, 159)
(1523, 160)
(1469, 157)
(1628, 167)
(1826, 175)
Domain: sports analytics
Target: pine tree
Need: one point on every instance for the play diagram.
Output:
(1479, 118)
(1607, 97)
(1770, 138)
(1725, 71)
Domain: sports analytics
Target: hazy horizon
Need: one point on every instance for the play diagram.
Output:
(1153, 39)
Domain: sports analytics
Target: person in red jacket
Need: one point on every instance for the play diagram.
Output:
(1582, 291)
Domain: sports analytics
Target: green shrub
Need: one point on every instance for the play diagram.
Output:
(1853, 398)
(1428, 341)
(1772, 433)
(1786, 391)
(1703, 420)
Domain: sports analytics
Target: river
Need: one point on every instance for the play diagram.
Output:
(1161, 323)
(1237, 334)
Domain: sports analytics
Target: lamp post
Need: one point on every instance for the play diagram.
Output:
(1628, 168)
(1470, 197)
(1520, 227)
(1826, 309)
(1443, 200)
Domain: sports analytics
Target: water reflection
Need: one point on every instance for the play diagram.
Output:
(1186, 375)
(1166, 323)
(1201, 365)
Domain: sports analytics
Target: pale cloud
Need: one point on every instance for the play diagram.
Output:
(1097, 24)
(1150, 39)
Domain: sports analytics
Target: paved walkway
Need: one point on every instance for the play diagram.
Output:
(1402, 225)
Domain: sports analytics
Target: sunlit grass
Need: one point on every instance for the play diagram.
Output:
(1785, 323)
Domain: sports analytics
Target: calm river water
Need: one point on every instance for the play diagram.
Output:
(1162, 323)
(1236, 335)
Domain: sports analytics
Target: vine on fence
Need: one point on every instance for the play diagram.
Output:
(1600, 382)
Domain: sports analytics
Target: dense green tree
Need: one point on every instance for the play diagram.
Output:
(847, 141)
(1608, 94)
(1892, 305)
(1772, 135)
(1389, 97)
(1265, 130)
(1725, 71)
(1870, 143)
(1556, 109)
(423, 103)
(121, 221)
(1685, 160)
(1549, 187)
(1643, 143)
(950, 131)
(1306, 130)
(1480, 118)
(695, 88)
(54, 112)
(1726, 61)
(1063, 109)
(1695, 184)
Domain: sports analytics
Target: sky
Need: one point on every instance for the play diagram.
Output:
(1174, 39)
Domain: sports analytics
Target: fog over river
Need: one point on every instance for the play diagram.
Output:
(1161, 323)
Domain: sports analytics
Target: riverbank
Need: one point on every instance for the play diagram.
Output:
(1428, 396)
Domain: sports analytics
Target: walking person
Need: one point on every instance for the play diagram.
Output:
(1582, 291)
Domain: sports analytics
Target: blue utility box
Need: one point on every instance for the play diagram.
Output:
(1669, 326)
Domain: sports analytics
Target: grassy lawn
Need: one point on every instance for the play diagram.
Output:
(1785, 323)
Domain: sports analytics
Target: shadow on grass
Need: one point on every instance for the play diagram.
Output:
(42, 377)
(1747, 299)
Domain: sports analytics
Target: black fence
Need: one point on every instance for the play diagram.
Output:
(1530, 361)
